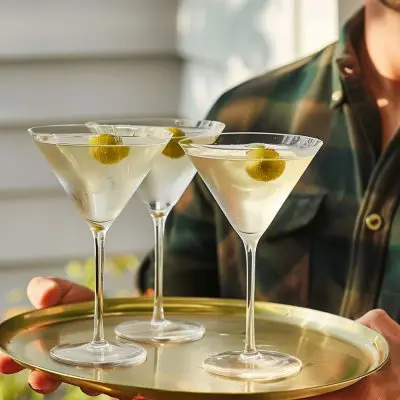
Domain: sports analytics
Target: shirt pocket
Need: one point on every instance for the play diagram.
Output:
(284, 252)
(298, 212)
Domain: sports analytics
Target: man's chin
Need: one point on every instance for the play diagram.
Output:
(392, 4)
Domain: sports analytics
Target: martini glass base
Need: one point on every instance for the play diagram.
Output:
(263, 366)
(161, 332)
(106, 355)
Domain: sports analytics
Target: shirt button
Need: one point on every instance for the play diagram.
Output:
(337, 95)
(374, 222)
(348, 70)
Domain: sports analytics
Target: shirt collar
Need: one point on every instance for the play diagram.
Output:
(345, 64)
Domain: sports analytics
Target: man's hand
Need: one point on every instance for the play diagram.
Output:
(42, 293)
(385, 384)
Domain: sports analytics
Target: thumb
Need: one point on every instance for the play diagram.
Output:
(380, 321)
(47, 292)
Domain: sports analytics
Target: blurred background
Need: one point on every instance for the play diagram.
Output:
(72, 61)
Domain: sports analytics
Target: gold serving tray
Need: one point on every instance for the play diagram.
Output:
(336, 352)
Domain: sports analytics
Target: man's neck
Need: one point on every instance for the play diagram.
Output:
(382, 45)
(380, 61)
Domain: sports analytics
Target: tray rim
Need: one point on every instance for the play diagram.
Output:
(60, 313)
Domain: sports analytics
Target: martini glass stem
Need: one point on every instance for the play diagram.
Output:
(98, 335)
(250, 341)
(159, 227)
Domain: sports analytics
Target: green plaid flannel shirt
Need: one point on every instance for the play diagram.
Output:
(335, 244)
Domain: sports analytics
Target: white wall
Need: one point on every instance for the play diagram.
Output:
(54, 28)
(346, 8)
(69, 61)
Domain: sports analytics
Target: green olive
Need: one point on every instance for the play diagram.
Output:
(107, 149)
(267, 165)
(173, 149)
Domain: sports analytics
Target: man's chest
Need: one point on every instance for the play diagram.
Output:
(324, 247)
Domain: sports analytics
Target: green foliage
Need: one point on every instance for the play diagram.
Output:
(15, 387)
(84, 272)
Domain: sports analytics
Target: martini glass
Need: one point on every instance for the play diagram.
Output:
(160, 191)
(250, 176)
(100, 173)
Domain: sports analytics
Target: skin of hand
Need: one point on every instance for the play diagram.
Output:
(385, 384)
